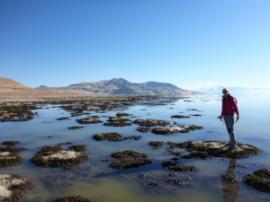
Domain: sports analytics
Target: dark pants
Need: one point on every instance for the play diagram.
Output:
(229, 122)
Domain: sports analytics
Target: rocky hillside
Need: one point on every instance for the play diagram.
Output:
(119, 86)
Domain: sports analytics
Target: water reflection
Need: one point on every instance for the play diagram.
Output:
(230, 183)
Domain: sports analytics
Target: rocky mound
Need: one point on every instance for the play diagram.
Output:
(12, 187)
(72, 199)
(9, 154)
(129, 159)
(210, 149)
(57, 156)
(114, 137)
(175, 129)
(117, 122)
(259, 180)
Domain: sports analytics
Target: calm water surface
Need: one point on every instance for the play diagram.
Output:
(96, 180)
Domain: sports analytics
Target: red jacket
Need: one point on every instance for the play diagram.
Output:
(229, 106)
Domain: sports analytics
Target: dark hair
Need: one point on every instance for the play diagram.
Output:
(225, 90)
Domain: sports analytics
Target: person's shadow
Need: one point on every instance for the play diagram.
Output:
(230, 183)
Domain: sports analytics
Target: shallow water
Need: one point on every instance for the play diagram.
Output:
(95, 179)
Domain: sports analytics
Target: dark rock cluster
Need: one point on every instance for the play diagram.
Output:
(114, 137)
(259, 180)
(129, 159)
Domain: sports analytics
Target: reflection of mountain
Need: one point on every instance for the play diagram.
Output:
(119, 86)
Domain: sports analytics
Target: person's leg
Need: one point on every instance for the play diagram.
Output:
(229, 121)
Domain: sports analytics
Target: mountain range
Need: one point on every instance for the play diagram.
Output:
(120, 86)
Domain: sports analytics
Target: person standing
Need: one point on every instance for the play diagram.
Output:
(229, 108)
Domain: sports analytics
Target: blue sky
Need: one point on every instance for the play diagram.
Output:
(191, 43)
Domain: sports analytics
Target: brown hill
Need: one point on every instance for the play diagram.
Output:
(9, 85)
(11, 90)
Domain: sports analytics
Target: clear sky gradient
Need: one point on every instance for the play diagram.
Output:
(191, 43)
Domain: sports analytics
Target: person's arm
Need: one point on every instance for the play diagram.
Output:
(222, 111)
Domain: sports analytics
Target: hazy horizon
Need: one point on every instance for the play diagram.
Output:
(192, 44)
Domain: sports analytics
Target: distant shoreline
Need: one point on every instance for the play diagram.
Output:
(64, 98)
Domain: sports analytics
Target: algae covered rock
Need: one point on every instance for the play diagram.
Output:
(259, 180)
(129, 159)
(209, 149)
(175, 129)
(114, 137)
(89, 120)
(151, 122)
(10, 154)
(12, 187)
(118, 122)
(57, 156)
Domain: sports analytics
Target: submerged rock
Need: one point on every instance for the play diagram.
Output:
(62, 118)
(10, 143)
(156, 144)
(175, 129)
(215, 149)
(176, 167)
(173, 179)
(143, 129)
(160, 183)
(116, 121)
(114, 137)
(89, 120)
(12, 187)
(151, 122)
(196, 115)
(57, 156)
(129, 159)
(72, 199)
(259, 180)
(122, 114)
(179, 117)
(75, 127)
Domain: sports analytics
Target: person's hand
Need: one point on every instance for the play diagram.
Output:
(220, 117)
(237, 118)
